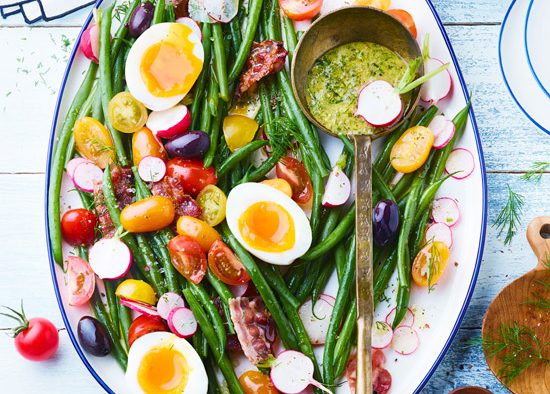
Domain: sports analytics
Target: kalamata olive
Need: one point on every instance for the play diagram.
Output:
(141, 19)
(93, 337)
(192, 145)
(385, 218)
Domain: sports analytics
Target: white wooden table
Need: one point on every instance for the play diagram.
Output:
(31, 66)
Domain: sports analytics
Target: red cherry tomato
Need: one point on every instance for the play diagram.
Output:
(188, 257)
(299, 10)
(191, 174)
(143, 325)
(294, 172)
(80, 281)
(78, 227)
(225, 265)
(405, 18)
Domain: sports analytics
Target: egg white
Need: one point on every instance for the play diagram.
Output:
(246, 194)
(197, 380)
(135, 82)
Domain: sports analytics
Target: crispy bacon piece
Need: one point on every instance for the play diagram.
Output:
(251, 320)
(266, 58)
(180, 7)
(105, 223)
(381, 378)
(170, 187)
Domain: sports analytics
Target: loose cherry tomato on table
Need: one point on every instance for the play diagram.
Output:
(199, 230)
(191, 174)
(255, 382)
(212, 201)
(238, 131)
(80, 281)
(405, 18)
(430, 263)
(126, 113)
(144, 325)
(293, 171)
(300, 10)
(226, 265)
(188, 257)
(150, 214)
(145, 144)
(411, 150)
(93, 141)
(78, 227)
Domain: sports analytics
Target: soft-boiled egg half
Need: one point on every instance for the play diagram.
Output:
(268, 223)
(163, 64)
(162, 363)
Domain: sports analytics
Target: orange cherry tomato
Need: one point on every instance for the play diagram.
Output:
(255, 382)
(299, 10)
(411, 150)
(151, 214)
(279, 184)
(199, 230)
(293, 171)
(226, 265)
(188, 258)
(144, 144)
(405, 18)
(93, 141)
(430, 263)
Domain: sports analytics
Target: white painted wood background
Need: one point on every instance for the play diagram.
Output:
(32, 61)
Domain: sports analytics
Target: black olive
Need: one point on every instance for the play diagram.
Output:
(385, 218)
(93, 337)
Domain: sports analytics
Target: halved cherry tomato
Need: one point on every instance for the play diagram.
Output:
(150, 214)
(411, 150)
(226, 265)
(78, 227)
(188, 257)
(93, 141)
(299, 10)
(405, 18)
(293, 171)
(279, 184)
(255, 382)
(144, 325)
(136, 290)
(380, 4)
(199, 230)
(80, 281)
(238, 130)
(144, 144)
(191, 174)
(212, 201)
(126, 113)
(429, 264)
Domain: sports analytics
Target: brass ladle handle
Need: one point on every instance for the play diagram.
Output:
(364, 270)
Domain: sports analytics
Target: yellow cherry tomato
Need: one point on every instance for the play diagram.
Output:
(126, 113)
(136, 290)
(430, 263)
(380, 4)
(144, 144)
(411, 150)
(238, 130)
(279, 184)
(93, 141)
(199, 230)
(212, 201)
(150, 214)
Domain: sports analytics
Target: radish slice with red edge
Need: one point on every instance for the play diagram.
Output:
(73, 163)
(141, 307)
(89, 43)
(327, 298)
(460, 163)
(194, 26)
(182, 322)
(238, 290)
(86, 175)
(445, 210)
(151, 169)
(168, 302)
(292, 372)
(443, 129)
(222, 11)
(408, 320)
(405, 340)
(316, 319)
(379, 104)
(440, 232)
(169, 123)
(382, 335)
(337, 188)
(110, 258)
(439, 86)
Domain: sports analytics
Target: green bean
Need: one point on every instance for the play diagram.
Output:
(340, 260)
(428, 196)
(343, 345)
(316, 206)
(403, 185)
(202, 296)
(118, 75)
(225, 295)
(200, 85)
(122, 30)
(239, 155)
(209, 101)
(309, 281)
(214, 136)
(157, 280)
(382, 276)
(158, 16)
(235, 30)
(125, 317)
(380, 185)
(213, 385)
(112, 302)
(170, 12)
(324, 275)
(290, 37)
(348, 145)
(220, 61)
(275, 280)
(295, 275)
(97, 109)
(420, 233)
(200, 344)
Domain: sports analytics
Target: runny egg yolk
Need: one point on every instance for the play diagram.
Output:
(169, 67)
(163, 370)
(268, 227)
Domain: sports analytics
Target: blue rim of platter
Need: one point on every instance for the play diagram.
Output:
(533, 71)
(481, 244)
(504, 74)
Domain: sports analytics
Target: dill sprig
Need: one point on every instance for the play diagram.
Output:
(121, 10)
(281, 134)
(433, 265)
(509, 218)
(535, 173)
(538, 301)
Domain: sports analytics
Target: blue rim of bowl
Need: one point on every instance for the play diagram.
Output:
(504, 74)
(533, 71)
(481, 244)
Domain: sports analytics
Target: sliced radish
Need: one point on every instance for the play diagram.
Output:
(169, 123)
(408, 320)
(328, 298)
(86, 175)
(292, 372)
(443, 129)
(182, 322)
(316, 319)
(194, 26)
(151, 169)
(460, 163)
(89, 42)
(110, 258)
(439, 86)
(337, 188)
(405, 340)
(222, 11)
(379, 104)
(73, 163)
(382, 335)
(440, 232)
(238, 290)
(141, 307)
(445, 210)
(168, 302)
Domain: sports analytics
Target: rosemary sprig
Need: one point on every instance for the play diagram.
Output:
(535, 173)
(509, 218)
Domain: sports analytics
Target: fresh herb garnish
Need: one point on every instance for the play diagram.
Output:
(535, 173)
(433, 266)
(538, 301)
(509, 218)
